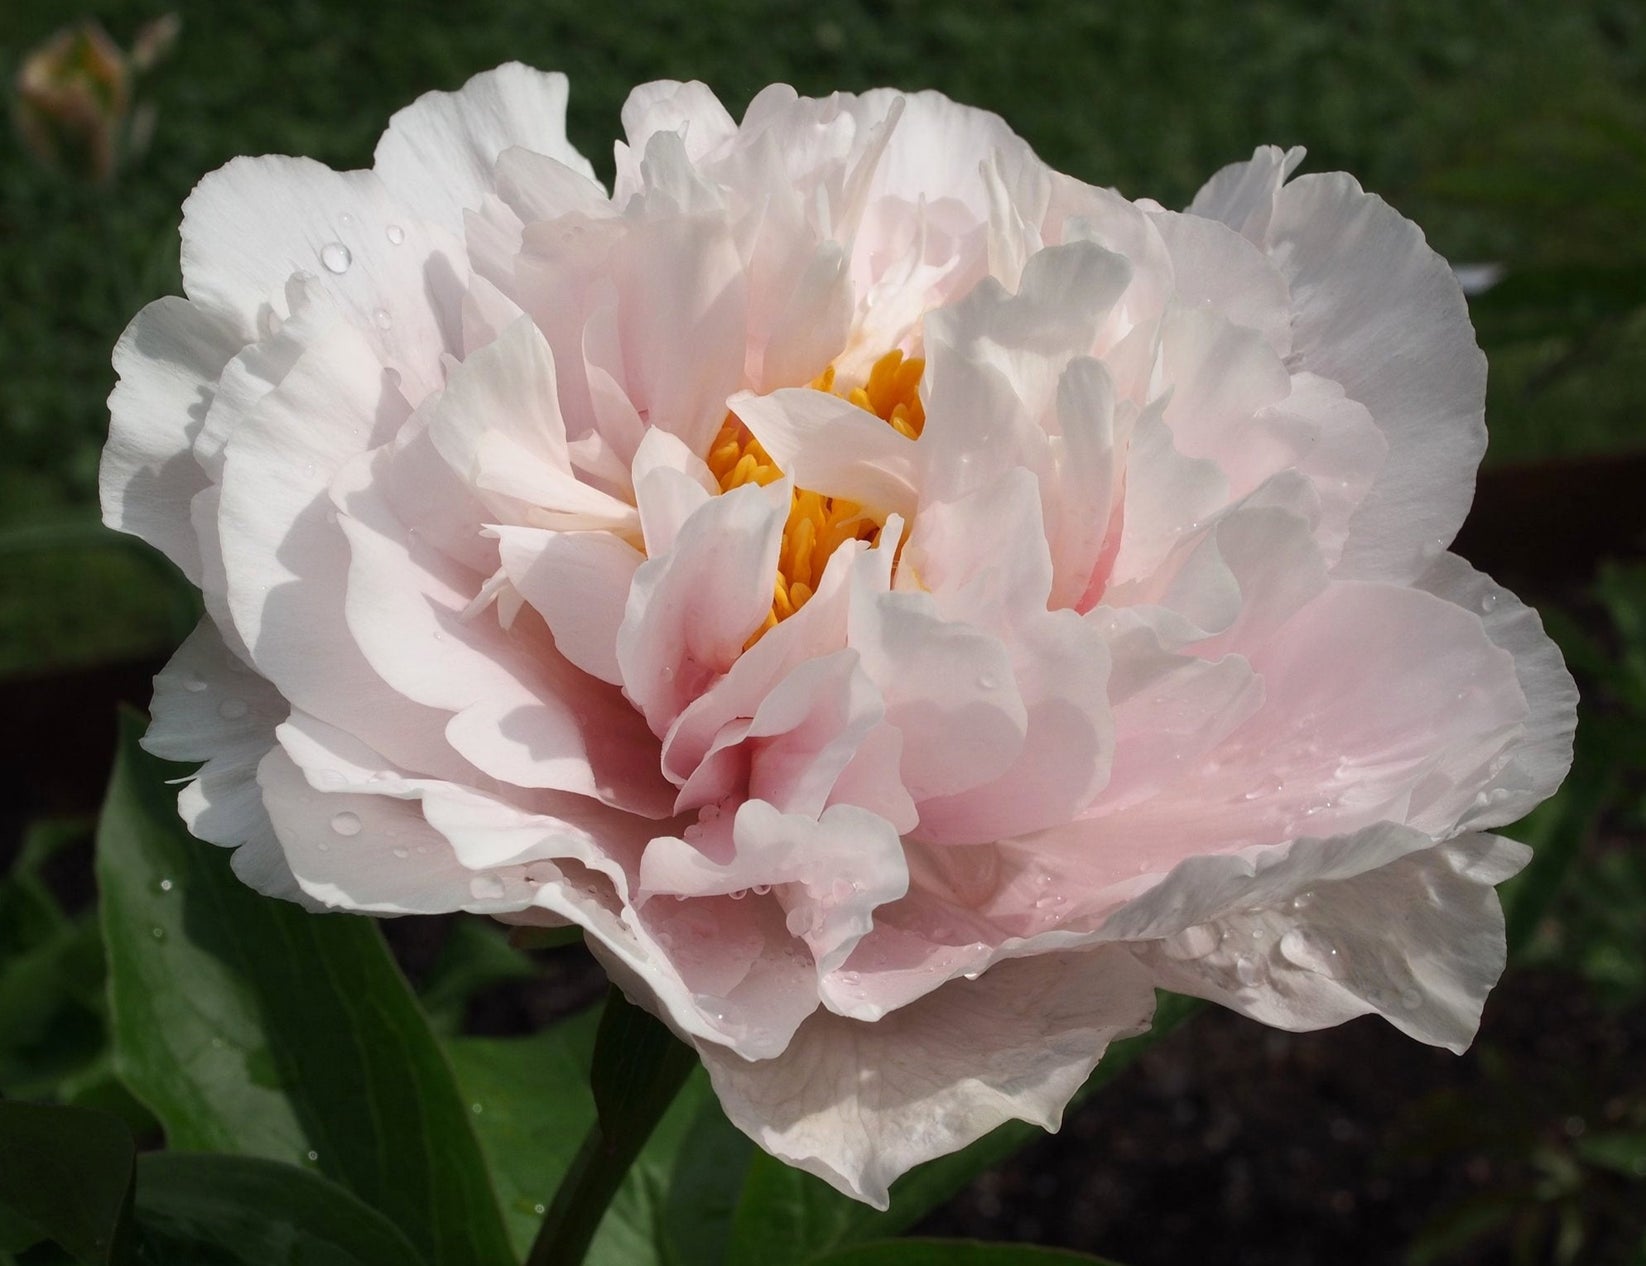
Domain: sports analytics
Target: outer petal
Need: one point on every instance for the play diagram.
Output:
(858, 1104)
(252, 224)
(208, 706)
(438, 153)
(1374, 308)
(1418, 939)
(1539, 761)
(168, 360)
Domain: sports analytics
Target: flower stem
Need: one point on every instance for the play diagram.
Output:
(639, 1067)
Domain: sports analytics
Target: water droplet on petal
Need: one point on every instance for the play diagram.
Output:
(738, 894)
(397, 235)
(1247, 970)
(539, 1209)
(313, 1156)
(345, 218)
(336, 257)
(166, 885)
(232, 709)
(194, 685)
(272, 322)
(401, 853)
(158, 933)
(477, 1108)
(486, 888)
(760, 890)
(382, 318)
(986, 681)
(1411, 999)
(1488, 601)
(346, 823)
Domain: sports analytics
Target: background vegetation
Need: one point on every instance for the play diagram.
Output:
(1514, 131)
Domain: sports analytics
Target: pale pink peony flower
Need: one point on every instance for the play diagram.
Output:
(905, 604)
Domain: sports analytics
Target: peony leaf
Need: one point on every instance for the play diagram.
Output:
(535, 1109)
(788, 1215)
(234, 1210)
(249, 1026)
(67, 1174)
(955, 1253)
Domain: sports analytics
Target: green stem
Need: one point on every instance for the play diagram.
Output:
(639, 1067)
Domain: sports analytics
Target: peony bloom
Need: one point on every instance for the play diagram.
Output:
(903, 603)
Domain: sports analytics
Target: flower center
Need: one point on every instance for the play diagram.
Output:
(819, 525)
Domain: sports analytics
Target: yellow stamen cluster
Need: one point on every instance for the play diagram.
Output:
(818, 525)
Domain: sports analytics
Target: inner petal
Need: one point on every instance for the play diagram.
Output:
(817, 524)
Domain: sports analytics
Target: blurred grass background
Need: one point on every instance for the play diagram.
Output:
(1513, 131)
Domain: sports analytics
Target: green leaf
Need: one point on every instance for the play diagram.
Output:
(195, 1209)
(788, 1215)
(535, 1109)
(956, 1253)
(68, 1173)
(250, 1026)
(704, 1189)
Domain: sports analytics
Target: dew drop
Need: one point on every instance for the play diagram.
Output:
(1488, 601)
(382, 318)
(271, 323)
(477, 1108)
(217, 1043)
(1247, 970)
(313, 1156)
(1411, 999)
(336, 257)
(986, 681)
(194, 685)
(232, 709)
(693, 832)
(166, 885)
(401, 853)
(1192, 942)
(760, 890)
(737, 894)
(799, 922)
(346, 823)
(709, 812)
(158, 933)
(397, 235)
(345, 218)
(486, 888)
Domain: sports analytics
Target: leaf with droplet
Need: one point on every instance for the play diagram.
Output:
(250, 1026)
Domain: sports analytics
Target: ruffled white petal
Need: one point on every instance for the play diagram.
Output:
(438, 152)
(847, 1102)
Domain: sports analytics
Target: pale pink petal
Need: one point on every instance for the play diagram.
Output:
(1417, 938)
(1388, 321)
(828, 871)
(252, 224)
(831, 446)
(579, 583)
(1217, 269)
(858, 1104)
(1541, 757)
(438, 152)
(168, 361)
(287, 561)
(691, 610)
(209, 707)
(1242, 195)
